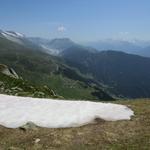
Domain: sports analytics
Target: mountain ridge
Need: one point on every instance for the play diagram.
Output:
(115, 73)
(126, 75)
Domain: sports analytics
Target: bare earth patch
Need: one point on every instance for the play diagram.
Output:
(133, 134)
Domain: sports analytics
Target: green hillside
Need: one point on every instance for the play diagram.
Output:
(20, 87)
(42, 69)
(124, 75)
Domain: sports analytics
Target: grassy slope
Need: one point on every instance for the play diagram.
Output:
(20, 87)
(70, 88)
(133, 134)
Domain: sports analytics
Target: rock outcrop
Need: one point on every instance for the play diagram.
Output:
(12, 84)
(8, 71)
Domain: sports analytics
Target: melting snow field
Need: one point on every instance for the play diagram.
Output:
(17, 111)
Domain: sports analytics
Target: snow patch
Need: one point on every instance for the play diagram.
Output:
(19, 34)
(14, 34)
(17, 111)
(12, 38)
(51, 51)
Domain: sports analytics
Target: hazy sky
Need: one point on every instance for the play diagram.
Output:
(81, 20)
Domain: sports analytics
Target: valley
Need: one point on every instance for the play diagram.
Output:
(76, 71)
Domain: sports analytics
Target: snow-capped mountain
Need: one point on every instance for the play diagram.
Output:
(12, 36)
(53, 47)
(18, 38)
(58, 45)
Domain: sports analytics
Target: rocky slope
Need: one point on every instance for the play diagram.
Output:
(11, 84)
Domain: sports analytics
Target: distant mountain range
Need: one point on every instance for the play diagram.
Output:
(56, 46)
(138, 47)
(76, 71)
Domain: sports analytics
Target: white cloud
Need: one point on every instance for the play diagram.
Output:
(124, 33)
(61, 29)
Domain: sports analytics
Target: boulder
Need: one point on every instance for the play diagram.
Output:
(29, 126)
(8, 71)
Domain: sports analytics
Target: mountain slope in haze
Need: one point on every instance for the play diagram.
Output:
(54, 46)
(125, 75)
(61, 44)
(144, 52)
(42, 69)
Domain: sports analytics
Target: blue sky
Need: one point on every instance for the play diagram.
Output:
(80, 20)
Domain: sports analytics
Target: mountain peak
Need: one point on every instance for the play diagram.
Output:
(61, 43)
(11, 34)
